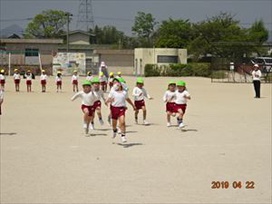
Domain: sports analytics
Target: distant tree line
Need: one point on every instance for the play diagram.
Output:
(219, 36)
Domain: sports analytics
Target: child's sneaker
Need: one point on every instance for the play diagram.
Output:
(146, 123)
(101, 122)
(168, 124)
(123, 138)
(181, 125)
(114, 134)
(136, 120)
(91, 126)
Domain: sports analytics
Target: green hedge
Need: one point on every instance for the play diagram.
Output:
(190, 69)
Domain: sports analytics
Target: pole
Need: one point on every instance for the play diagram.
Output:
(9, 66)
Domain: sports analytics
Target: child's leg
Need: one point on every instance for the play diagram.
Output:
(144, 112)
(122, 125)
(136, 115)
(168, 117)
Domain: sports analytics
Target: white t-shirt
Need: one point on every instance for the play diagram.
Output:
(2, 77)
(16, 76)
(43, 77)
(88, 99)
(180, 97)
(99, 94)
(74, 78)
(58, 78)
(256, 75)
(169, 96)
(119, 98)
(139, 94)
(28, 77)
(89, 78)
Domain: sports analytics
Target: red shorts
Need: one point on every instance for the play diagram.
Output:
(117, 112)
(59, 83)
(139, 104)
(170, 107)
(180, 106)
(90, 109)
(75, 82)
(17, 81)
(103, 83)
(2, 82)
(28, 82)
(97, 104)
(43, 82)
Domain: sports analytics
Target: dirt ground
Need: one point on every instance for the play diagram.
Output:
(223, 155)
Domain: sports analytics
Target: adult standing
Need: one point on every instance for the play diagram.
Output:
(103, 68)
(256, 76)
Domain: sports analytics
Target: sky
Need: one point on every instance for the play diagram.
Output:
(122, 13)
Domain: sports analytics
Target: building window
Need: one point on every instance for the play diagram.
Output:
(167, 59)
(30, 52)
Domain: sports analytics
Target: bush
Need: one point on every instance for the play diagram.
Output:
(219, 74)
(191, 69)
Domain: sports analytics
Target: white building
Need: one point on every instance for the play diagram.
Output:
(159, 56)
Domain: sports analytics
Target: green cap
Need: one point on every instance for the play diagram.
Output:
(121, 80)
(181, 83)
(140, 80)
(95, 80)
(86, 83)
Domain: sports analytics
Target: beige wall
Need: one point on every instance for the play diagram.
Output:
(145, 56)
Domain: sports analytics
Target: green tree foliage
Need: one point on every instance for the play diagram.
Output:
(144, 27)
(173, 34)
(48, 24)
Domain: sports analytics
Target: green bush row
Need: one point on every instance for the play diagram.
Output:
(191, 69)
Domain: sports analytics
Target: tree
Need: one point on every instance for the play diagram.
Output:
(220, 36)
(144, 27)
(173, 34)
(48, 24)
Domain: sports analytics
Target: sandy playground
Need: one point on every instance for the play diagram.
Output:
(223, 155)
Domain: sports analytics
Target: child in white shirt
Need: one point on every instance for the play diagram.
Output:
(169, 98)
(140, 94)
(43, 79)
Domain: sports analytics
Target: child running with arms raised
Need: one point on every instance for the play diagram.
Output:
(87, 97)
(117, 99)
(182, 95)
(169, 98)
(140, 94)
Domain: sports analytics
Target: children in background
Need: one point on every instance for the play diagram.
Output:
(74, 81)
(43, 79)
(182, 95)
(169, 98)
(28, 77)
(140, 94)
(58, 81)
(119, 75)
(17, 79)
(2, 79)
(89, 76)
(99, 94)
(103, 81)
(87, 97)
(111, 77)
(1, 99)
(117, 98)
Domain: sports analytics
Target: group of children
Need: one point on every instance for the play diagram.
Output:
(175, 98)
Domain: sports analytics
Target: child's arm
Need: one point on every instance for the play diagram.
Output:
(130, 102)
(75, 96)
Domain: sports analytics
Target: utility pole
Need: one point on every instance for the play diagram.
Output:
(67, 14)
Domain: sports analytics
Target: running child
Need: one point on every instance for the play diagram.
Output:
(28, 77)
(2, 79)
(58, 81)
(169, 98)
(43, 79)
(17, 80)
(103, 81)
(117, 99)
(111, 77)
(89, 76)
(87, 97)
(74, 81)
(1, 99)
(99, 94)
(140, 93)
(182, 95)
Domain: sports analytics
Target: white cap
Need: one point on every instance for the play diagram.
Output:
(256, 65)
